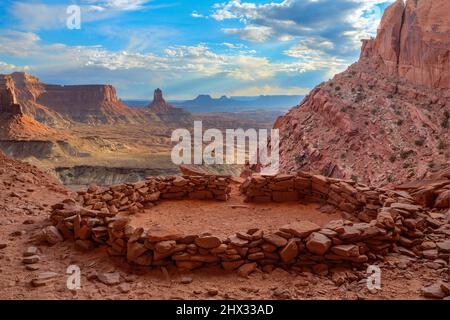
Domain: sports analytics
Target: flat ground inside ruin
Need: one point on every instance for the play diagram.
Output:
(225, 218)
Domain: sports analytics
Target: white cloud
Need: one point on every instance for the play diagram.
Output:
(14, 42)
(234, 10)
(126, 5)
(175, 61)
(39, 16)
(34, 16)
(268, 89)
(250, 68)
(343, 22)
(251, 33)
(195, 14)
(8, 67)
(233, 45)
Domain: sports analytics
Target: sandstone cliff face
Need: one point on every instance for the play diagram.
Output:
(57, 105)
(14, 124)
(386, 117)
(8, 100)
(412, 42)
(93, 104)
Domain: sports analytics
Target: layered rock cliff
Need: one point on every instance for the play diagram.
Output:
(58, 105)
(412, 42)
(386, 117)
(14, 124)
(8, 100)
(93, 104)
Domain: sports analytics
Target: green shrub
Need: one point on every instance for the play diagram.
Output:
(419, 142)
(405, 154)
(445, 121)
(337, 88)
(441, 145)
(399, 122)
(299, 158)
(354, 178)
(392, 158)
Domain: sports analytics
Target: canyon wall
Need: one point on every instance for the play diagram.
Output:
(85, 103)
(413, 42)
(8, 100)
(386, 118)
(58, 105)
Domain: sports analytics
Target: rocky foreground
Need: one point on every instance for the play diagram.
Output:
(35, 258)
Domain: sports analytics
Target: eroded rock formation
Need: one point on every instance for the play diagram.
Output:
(8, 101)
(412, 42)
(385, 119)
(58, 105)
(14, 124)
(167, 112)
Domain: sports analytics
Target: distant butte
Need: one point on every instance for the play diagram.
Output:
(159, 105)
(58, 105)
(167, 112)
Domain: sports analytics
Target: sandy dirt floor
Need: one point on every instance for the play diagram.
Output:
(222, 219)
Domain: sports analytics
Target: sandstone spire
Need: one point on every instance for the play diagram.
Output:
(8, 100)
(159, 105)
(158, 96)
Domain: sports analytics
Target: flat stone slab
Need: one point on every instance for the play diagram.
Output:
(301, 229)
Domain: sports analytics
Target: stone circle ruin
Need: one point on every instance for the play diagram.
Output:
(376, 221)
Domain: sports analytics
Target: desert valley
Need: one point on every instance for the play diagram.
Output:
(86, 179)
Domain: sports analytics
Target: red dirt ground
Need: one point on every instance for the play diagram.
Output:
(25, 197)
(223, 219)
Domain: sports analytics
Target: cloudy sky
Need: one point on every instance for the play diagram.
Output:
(187, 47)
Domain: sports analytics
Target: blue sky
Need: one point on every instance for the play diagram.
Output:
(187, 47)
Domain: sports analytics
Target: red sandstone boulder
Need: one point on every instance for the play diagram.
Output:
(274, 239)
(289, 252)
(346, 250)
(156, 233)
(246, 269)
(318, 243)
(284, 196)
(208, 242)
(134, 250)
(443, 200)
(165, 247)
(232, 265)
(300, 229)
